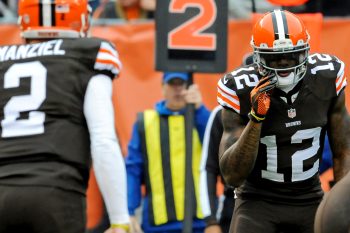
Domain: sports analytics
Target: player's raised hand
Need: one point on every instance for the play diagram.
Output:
(260, 98)
(192, 95)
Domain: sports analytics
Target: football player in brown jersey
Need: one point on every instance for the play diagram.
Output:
(57, 118)
(276, 113)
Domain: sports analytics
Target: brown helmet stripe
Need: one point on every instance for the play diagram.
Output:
(53, 13)
(40, 13)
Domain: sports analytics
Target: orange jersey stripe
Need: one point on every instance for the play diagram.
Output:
(106, 51)
(107, 62)
(341, 84)
(233, 96)
(229, 102)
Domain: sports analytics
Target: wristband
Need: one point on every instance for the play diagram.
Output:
(252, 116)
(126, 227)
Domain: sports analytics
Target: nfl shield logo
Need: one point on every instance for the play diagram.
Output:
(292, 113)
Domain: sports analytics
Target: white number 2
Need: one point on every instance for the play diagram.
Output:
(34, 124)
(249, 79)
(297, 159)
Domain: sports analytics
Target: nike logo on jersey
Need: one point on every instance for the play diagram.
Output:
(47, 48)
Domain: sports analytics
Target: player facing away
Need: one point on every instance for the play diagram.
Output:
(57, 118)
(276, 113)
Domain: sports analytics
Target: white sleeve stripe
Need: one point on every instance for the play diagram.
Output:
(108, 56)
(106, 46)
(108, 59)
(341, 70)
(340, 73)
(103, 66)
(225, 104)
(234, 100)
(204, 195)
(339, 80)
(108, 62)
(344, 83)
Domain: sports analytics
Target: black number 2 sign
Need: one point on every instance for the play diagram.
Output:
(187, 36)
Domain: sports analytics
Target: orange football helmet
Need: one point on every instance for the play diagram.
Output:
(54, 18)
(281, 35)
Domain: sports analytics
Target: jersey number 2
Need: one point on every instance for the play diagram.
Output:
(34, 123)
(190, 35)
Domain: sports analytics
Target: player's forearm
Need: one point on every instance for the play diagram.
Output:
(110, 173)
(338, 133)
(341, 166)
(341, 154)
(239, 158)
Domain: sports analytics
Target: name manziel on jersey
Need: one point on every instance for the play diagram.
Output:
(14, 52)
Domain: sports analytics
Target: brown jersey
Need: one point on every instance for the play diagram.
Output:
(292, 136)
(43, 132)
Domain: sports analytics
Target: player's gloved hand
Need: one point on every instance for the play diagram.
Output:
(260, 98)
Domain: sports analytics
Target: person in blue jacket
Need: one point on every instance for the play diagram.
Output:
(156, 158)
(327, 157)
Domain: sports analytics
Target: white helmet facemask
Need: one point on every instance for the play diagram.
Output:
(287, 83)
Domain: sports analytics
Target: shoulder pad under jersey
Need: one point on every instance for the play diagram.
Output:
(234, 88)
(99, 53)
(325, 75)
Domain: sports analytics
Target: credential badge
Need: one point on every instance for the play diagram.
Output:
(292, 113)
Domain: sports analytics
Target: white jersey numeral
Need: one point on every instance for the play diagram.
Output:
(329, 66)
(248, 79)
(321, 57)
(297, 159)
(34, 124)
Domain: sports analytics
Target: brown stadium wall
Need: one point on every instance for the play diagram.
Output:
(139, 85)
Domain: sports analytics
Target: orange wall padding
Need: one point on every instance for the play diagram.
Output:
(139, 85)
(95, 205)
